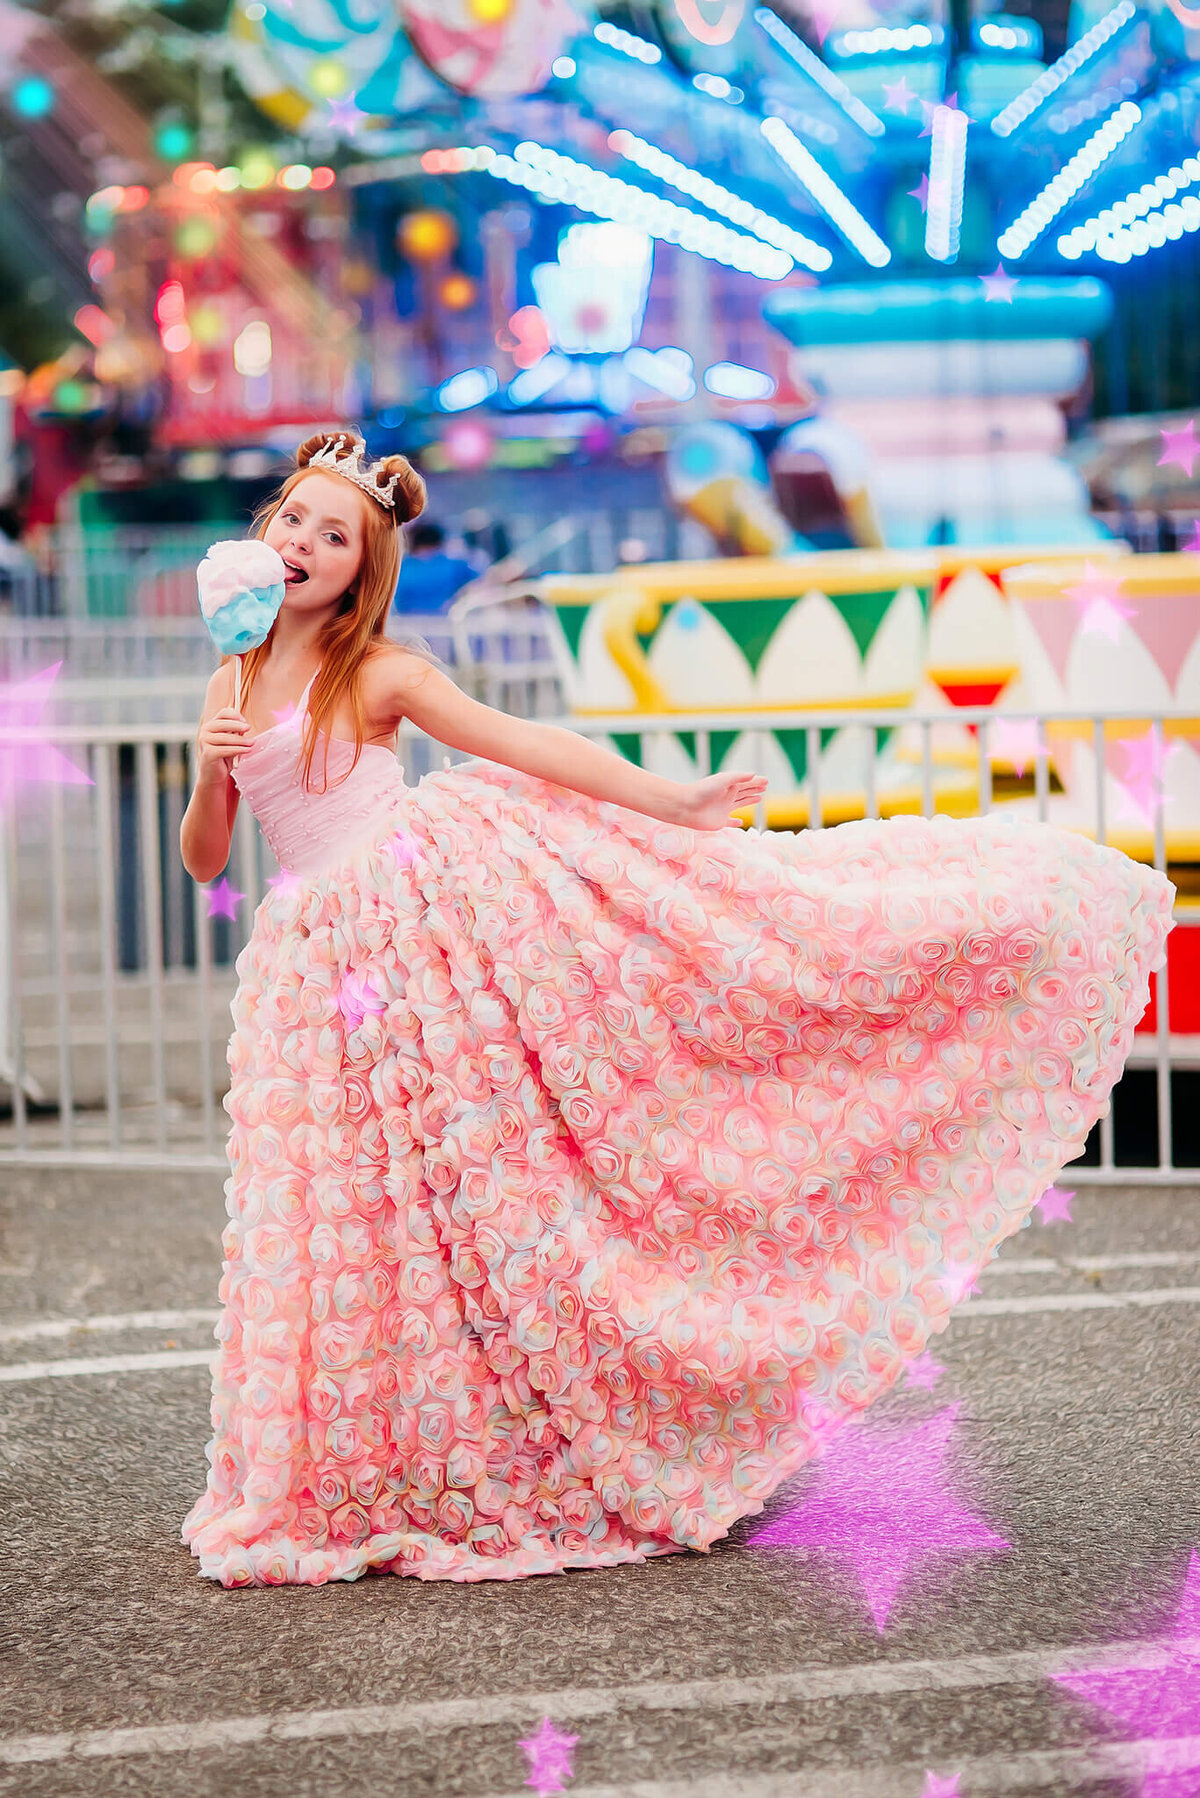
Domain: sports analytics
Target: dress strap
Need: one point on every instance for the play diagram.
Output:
(303, 699)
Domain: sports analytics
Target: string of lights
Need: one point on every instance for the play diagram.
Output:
(825, 191)
(799, 52)
(555, 177)
(1038, 92)
(719, 199)
(1114, 223)
(947, 170)
(1045, 207)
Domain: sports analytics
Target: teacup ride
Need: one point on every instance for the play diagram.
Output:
(837, 632)
(1139, 656)
(974, 657)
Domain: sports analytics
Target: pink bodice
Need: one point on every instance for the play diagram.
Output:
(312, 831)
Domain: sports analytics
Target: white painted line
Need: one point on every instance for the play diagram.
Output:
(1089, 1264)
(125, 1320)
(580, 1703)
(1011, 1307)
(983, 1775)
(49, 1328)
(61, 1370)
(1077, 1301)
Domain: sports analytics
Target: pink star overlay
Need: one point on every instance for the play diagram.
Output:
(1157, 1699)
(222, 899)
(1017, 740)
(999, 284)
(935, 1787)
(1055, 1206)
(1180, 447)
(34, 763)
(881, 1501)
(898, 96)
(824, 16)
(343, 115)
(924, 1372)
(1142, 788)
(1096, 595)
(548, 1754)
(357, 999)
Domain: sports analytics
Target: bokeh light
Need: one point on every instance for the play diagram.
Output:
(428, 235)
(173, 141)
(33, 97)
(257, 170)
(457, 292)
(330, 79)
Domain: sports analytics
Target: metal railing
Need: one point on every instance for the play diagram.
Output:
(116, 986)
(1148, 533)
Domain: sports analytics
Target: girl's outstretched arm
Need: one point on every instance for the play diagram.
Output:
(435, 705)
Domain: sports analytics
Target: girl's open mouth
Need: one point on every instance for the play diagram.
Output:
(294, 575)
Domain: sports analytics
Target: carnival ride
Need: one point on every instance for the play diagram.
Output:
(896, 222)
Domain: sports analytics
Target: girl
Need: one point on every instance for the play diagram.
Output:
(593, 1161)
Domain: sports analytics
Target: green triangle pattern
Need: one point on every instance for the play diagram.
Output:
(753, 622)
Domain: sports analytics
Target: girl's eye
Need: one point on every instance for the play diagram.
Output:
(335, 536)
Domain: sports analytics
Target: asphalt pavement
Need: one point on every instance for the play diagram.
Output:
(1024, 1617)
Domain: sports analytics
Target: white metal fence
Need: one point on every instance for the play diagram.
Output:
(135, 586)
(115, 985)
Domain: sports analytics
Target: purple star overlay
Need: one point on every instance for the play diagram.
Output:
(960, 1285)
(881, 1500)
(284, 881)
(929, 107)
(356, 997)
(1055, 1206)
(548, 1755)
(1193, 548)
(223, 899)
(404, 848)
(999, 284)
(924, 1372)
(823, 14)
(898, 96)
(1158, 1704)
(1181, 448)
(921, 193)
(941, 1788)
(344, 116)
(35, 763)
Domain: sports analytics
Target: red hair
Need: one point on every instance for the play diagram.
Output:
(352, 636)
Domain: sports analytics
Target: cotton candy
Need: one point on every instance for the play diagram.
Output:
(241, 587)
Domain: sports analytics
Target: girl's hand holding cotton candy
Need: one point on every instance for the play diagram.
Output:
(220, 742)
(241, 590)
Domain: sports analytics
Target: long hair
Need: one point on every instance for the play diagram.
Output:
(350, 637)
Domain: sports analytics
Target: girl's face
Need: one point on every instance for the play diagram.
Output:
(319, 532)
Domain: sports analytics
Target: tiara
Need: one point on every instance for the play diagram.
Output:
(350, 464)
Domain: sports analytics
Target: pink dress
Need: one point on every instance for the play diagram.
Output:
(588, 1172)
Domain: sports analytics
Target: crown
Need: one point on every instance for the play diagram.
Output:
(349, 463)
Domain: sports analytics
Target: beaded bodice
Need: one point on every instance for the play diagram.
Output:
(314, 830)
